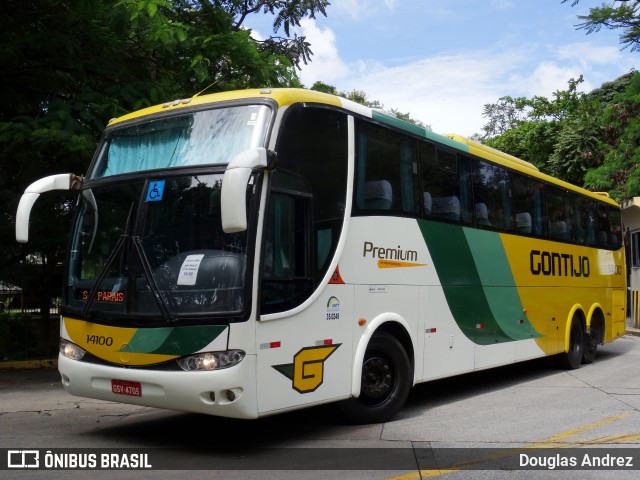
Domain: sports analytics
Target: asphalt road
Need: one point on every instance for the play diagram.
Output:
(470, 426)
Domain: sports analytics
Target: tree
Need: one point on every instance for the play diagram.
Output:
(67, 67)
(504, 115)
(529, 128)
(618, 154)
(625, 15)
(586, 139)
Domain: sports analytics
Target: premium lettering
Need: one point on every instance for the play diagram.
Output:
(558, 264)
(384, 253)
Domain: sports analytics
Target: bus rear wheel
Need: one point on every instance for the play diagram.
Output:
(386, 381)
(573, 357)
(591, 341)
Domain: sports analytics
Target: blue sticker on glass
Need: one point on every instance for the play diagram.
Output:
(156, 189)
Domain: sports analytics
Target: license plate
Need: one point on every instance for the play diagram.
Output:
(125, 387)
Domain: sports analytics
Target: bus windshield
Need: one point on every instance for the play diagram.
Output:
(156, 248)
(198, 138)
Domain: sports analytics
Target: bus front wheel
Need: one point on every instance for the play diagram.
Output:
(386, 381)
(573, 357)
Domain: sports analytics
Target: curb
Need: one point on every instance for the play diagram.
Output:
(633, 331)
(28, 364)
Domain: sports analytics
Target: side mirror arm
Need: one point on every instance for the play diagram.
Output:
(63, 181)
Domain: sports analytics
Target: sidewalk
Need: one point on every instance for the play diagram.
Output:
(53, 363)
(631, 330)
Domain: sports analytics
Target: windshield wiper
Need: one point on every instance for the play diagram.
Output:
(107, 265)
(153, 286)
(146, 266)
(103, 273)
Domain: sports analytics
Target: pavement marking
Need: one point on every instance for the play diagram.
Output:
(555, 441)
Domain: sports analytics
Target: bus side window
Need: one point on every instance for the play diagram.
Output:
(314, 145)
(615, 228)
(491, 189)
(523, 202)
(581, 216)
(590, 212)
(386, 171)
(541, 226)
(446, 183)
(558, 229)
(609, 229)
(286, 280)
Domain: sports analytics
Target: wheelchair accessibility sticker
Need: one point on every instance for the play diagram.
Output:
(155, 191)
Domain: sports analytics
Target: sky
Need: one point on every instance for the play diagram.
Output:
(441, 61)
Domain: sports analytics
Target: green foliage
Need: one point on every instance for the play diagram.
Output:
(618, 170)
(622, 14)
(66, 68)
(532, 141)
(575, 147)
(588, 139)
(506, 114)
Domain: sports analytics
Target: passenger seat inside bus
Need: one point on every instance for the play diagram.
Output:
(558, 230)
(427, 203)
(523, 222)
(378, 195)
(482, 215)
(446, 207)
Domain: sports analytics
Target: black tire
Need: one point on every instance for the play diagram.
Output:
(591, 341)
(573, 358)
(386, 381)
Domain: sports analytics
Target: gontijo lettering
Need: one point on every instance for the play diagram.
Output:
(558, 264)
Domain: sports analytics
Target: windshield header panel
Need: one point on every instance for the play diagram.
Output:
(196, 137)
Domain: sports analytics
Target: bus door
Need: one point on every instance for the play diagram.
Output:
(304, 332)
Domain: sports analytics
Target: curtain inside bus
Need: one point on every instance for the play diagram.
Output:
(205, 137)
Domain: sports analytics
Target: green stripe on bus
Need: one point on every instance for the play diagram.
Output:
(499, 285)
(477, 282)
(173, 340)
(417, 130)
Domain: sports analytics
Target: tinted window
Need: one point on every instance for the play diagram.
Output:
(386, 171)
(446, 184)
(491, 196)
(306, 205)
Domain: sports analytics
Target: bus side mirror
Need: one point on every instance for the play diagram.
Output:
(63, 181)
(233, 198)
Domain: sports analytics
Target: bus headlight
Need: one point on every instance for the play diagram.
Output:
(211, 360)
(71, 350)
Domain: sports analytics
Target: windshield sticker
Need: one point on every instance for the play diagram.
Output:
(155, 191)
(189, 269)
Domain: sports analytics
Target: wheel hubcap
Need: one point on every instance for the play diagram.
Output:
(377, 378)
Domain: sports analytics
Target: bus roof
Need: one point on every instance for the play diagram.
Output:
(289, 96)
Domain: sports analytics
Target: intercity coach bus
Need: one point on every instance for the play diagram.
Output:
(247, 253)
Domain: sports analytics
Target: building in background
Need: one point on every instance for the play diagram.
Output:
(631, 222)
